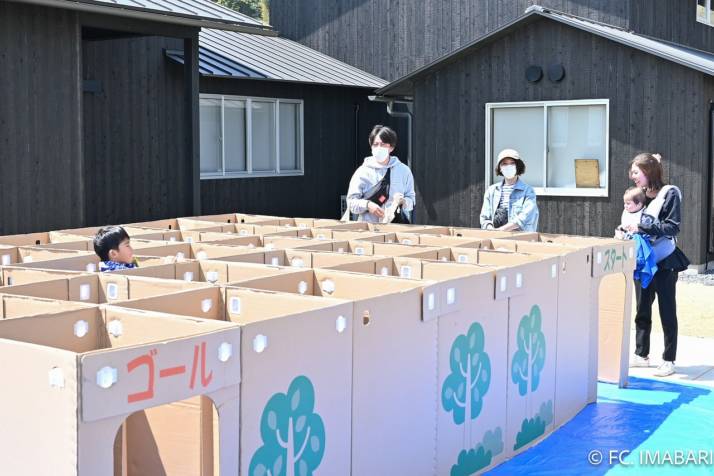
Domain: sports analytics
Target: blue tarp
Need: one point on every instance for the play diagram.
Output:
(645, 426)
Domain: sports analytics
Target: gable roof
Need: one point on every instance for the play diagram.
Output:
(689, 57)
(198, 13)
(231, 54)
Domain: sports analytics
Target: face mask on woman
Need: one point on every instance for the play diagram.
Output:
(380, 153)
(508, 171)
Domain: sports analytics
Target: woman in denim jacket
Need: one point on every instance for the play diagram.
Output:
(510, 205)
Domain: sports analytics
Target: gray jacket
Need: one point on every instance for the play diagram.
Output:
(365, 182)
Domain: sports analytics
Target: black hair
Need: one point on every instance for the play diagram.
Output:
(385, 134)
(109, 238)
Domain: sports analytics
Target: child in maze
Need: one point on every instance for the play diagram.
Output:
(113, 246)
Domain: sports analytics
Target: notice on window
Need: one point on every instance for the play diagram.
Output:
(587, 173)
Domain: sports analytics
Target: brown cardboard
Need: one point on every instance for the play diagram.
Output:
(76, 429)
(35, 254)
(391, 319)
(294, 334)
(21, 306)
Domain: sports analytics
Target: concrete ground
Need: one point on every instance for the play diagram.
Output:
(695, 347)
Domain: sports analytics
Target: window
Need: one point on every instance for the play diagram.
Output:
(551, 136)
(705, 11)
(250, 137)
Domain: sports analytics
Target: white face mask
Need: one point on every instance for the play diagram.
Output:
(380, 153)
(508, 171)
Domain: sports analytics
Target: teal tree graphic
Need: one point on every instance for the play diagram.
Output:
(293, 435)
(532, 428)
(471, 461)
(529, 359)
(470, 377)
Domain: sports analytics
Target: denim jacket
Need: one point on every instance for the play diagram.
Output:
(522, 210)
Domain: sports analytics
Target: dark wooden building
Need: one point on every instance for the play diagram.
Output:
(99, 124)
(560, 88)
(283, 127)
(392, 38)
(92, 129)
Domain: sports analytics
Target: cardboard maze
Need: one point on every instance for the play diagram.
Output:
(267, 345)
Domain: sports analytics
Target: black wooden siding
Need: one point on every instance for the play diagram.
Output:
(40, 152)
(655, 106)
(329, 146)
(136, 161)
(391, 38)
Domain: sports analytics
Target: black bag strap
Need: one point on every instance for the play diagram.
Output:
(381, 194)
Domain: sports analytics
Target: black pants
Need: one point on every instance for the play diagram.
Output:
(664, 285)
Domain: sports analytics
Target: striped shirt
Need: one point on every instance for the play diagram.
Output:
(505, 195)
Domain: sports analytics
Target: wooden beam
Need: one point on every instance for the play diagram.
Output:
(191, 89)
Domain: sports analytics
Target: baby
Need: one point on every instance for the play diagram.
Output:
(634, 201)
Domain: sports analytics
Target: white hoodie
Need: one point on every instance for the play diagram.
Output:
(364, 183)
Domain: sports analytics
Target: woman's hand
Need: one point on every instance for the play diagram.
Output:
(399, 198)
(375, 209)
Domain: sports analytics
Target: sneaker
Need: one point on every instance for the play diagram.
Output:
(638, 361)
(667, 368)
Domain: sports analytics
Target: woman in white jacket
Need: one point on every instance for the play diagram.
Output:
(368, 197)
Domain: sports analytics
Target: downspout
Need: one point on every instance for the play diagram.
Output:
(408, 116)
(710, 189)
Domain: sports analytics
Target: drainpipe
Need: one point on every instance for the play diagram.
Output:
(408, 116)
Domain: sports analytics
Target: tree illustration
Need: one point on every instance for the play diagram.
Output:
(470, 377)
(529, 359)
(293, 435)
(532, 428)
(471, 461)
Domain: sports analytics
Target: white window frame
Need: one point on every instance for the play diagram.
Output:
(249, 139)
(550, 191)
(707, 7)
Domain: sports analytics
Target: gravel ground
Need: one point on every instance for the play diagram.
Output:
(706, 278)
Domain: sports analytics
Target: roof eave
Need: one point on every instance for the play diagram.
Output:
(142, 14)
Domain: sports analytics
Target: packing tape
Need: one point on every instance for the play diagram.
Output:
(206, 304)
(235, 305)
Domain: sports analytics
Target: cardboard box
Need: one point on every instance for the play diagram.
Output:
(22, 306)
(613, 263)
(285, 339)
(94, 288)
(78, 379)
(394, 334)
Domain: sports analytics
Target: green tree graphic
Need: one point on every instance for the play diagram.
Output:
(293, 435)
(532, 428)
(470, 377)
(473, 460)
(529, 359)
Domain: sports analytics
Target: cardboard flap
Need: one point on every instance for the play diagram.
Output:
(84, 288)
(520, 279)
(114, 287)
(213, 272)
(125, 380)
(432, 305)
(361, 247)
(609, 258)
(204, 302)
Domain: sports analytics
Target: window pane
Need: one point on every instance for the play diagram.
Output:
(702, 10)
(210, 117)
(520, 128)
(575, 132)
(235, 135)
(289, 137)
(263, 136)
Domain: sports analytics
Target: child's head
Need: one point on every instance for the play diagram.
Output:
(634, 199)
(112, 244)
